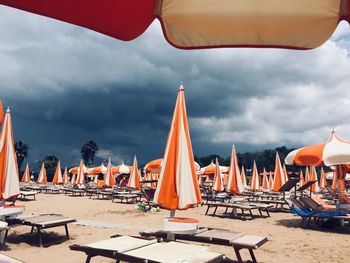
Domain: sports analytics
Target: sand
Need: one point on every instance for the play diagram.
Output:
(287, 242)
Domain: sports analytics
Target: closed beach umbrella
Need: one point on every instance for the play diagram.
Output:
(109, 176)
(323, 179)
(265, 180)
(65, 176)
(271, 179)
(73, 179)
(255, 184)
(307, 174)
(244, 178)
(235, 183)
(302, 180)
(26, 175)
(9, 178)
(313, 177)
(134, 178)
(295, 24)
(42, 178)
(178, 186)
(81, 174)
(58, 178)
(279, 178)
(218, 185)
(285, 173)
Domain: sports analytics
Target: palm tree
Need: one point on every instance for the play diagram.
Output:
(21, 149)
(88, 151)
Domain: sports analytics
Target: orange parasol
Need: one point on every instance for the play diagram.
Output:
(134, 178)
(255, 184)
(235, 184)
(42, 179)
(279, 178)
(109, 179)
(265, 181)
(81, 174)
(26, 175)
(65, 176)
(58, 178)
(218, 185)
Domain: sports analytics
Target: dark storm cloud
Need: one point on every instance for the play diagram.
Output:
(66, 85)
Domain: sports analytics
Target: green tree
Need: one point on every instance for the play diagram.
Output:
(88, 151)
(21, 149)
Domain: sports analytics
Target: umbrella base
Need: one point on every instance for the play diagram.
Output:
(180, 225)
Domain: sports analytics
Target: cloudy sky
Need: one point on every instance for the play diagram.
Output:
(66, 85)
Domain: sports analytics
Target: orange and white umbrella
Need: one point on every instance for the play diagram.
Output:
(218, 185)
(255, 184)
(42, 179)
(323, 178)
(307, 174)
(265, 180)
(313, 177)
(9, 178)
(178, 186)
(244, 178)
(109, 179)
(81, 174)
(134, 178)
(271, 179)
(58, 178)
(235, 184)
(75, 170)
(210, 169)
(285, 173)
(279, 178)
(121, 169)
(335, 151)
(26, 175)
(339, 176)
(302, 180)
(73, 180)
(99, 169)
(65, 176)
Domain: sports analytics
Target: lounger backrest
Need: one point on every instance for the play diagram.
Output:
(310, 203)
(296, 203)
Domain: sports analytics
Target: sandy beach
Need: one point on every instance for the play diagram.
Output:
(287, 242)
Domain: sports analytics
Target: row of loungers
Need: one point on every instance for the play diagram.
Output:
(163, 246)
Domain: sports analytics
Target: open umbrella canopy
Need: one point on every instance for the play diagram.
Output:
(42, 179)
(26, 175)
(98, 170)
(335, 151)
(121, 169)
(211, 168)
(58, 178)
(154, 166)
(9, 178)
(74, 170)
(178, 186)
(189, 24)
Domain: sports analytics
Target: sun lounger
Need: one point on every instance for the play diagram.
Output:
(131, 249)
(246, 209)
(23, 195)
(128, 198)
(236, 240)
(41, 222)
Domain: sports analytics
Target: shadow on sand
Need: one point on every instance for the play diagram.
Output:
(48, 239)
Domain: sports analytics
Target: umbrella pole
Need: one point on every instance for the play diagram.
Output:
(172, 213)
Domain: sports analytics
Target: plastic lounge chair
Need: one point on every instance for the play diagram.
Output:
(129, 198)
(244, 208)
(236, 240)
(23, 195)
(41, 222)
(132, 249)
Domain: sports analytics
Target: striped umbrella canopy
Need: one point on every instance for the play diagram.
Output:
(279, 178)
(285, 173)
(218, 185)
(302, 180)
(121, 169)
(323, 178)
(73, 180)
(42, 178)
(134, 178)
(65, 176)
(99, 169)
(74, 170)
(235, 183)
(265, 180)
(109, 178)
(26, 175)
(295, 24)
(81, 174)
(58, 178)
(154, 166)
(255, 184)
(178, 186)
(9, 178)
(244, 178)
(211, 168)
(313, 177)
(335, 151)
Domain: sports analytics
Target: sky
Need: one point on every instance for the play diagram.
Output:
(66, 85)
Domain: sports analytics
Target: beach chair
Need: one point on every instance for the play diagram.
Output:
(246, 209)
(41, 222)
(236, 240)
(24, 195)
(132, 249)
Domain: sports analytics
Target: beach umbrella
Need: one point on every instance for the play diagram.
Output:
(294, 24)
(26, 175)
(307, 174)
(99, 169)
(58, 178)
(339, 176)
(211, 168)
(42, 179)
(81, 174)
(255, 184)
(285, 173)
(235, 183)
(279, 178)
(121, 169)
(9, 178)
(134, 178)
(218, 185)
(154, 166)
(109, 179)
(313, 177)
(74, 170)
(244, 178)
(178, 186)
(265, 180)
(271, 179)
(302, 180)
(65, 176)
(323, 179)
(73, 180)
